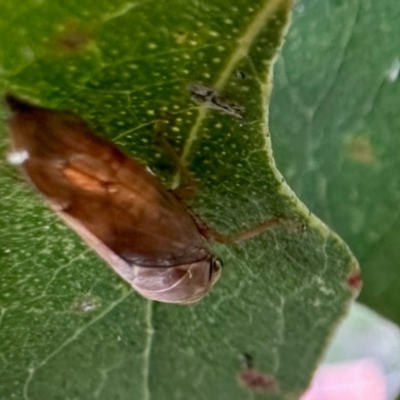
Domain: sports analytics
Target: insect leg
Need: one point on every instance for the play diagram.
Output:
(210, 233)
(187, 186)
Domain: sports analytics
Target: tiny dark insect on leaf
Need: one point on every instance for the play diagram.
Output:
(209, 98)
(142, 230)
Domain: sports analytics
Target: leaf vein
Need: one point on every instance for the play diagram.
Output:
(244, 43)
(147, 350)
(33, 370)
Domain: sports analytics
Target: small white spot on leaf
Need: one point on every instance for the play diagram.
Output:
(393, 72)
(85, 304)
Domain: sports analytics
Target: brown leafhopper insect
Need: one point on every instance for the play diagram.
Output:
(142, 230)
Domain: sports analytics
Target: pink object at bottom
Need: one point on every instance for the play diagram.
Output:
(354, 380)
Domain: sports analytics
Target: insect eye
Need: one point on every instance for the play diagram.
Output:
(215, 266)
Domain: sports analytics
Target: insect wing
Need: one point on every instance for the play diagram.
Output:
(182, 284)
(110, 195)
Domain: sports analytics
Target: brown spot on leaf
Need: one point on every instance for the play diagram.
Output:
(258, 381)
(73, 38)
(359, 149)
(355, 281)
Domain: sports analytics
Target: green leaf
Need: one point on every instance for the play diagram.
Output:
(70, 328)
(337, 79)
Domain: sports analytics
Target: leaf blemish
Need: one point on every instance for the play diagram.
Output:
(359, 149)
(355, 281)
(180, 37)
(85, 304)
(73, 38)
(258, 381)
(255, 380)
